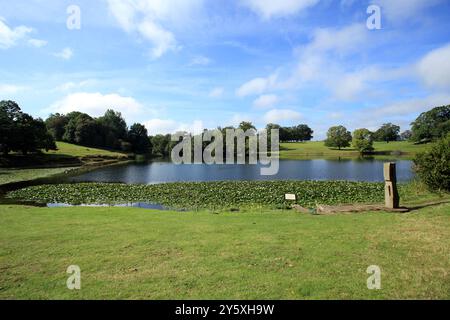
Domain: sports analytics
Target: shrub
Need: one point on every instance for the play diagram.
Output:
(433, 167)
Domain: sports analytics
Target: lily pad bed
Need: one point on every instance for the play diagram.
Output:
(208, 195)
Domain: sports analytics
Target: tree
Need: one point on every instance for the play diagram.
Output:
(56, 125)
(138, 137)
(433, 167)
(406, 135)
(363, 140)
(244, 125)
(21, 132)
(81, 129)
(388, 132)
(302, 133)
(338, 137)
(432, 124)
(161, 145)
(9, 113)
(113, 128)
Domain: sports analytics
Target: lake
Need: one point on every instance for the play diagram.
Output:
(317, 169)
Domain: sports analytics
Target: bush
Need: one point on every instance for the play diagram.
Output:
(433, 167)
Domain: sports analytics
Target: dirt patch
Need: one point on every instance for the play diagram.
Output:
(354, 208)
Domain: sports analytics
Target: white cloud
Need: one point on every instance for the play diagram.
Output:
(217, 92)
(200, 61)
(280, 115)
(161, 39)
(266, 101)
(37, 43)
(434, 68)
(398, 10)
(257, 86)
(8, 89)
(278, 8)
(95, 104)
(149, 19)
(65, 54)
(160, 126)
(411, 106)
(9, 37)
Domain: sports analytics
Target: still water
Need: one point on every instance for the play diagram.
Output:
(318, 169)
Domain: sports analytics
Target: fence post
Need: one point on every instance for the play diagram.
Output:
(392, 198)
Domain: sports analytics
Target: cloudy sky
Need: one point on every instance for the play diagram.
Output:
(193, 64)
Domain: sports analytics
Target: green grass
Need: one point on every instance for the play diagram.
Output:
(194, 195)
(67, 157)
(127, 253)
(318, 149)
(80, 151)
(18, 175)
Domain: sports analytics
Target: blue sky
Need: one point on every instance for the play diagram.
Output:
(193, 64)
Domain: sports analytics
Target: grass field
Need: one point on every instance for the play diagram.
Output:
(80, 151)
(66, 158)
(17, 175)
(318, 149)
(127, 253)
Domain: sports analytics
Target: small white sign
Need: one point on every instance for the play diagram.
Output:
(289, 196)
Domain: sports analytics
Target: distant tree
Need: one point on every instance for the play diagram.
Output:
(161, 145)
(286, 134)
(139, 140)
(406, 135)
(432, 124)
(75, 129)
(363, 140)
(302, 133)
(244, 125)
(338, 137)
(113, 128)
(56, 124)
(388, 132)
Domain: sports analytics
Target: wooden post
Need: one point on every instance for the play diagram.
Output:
(392, 198)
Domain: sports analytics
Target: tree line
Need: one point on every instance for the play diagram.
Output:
(20, 132)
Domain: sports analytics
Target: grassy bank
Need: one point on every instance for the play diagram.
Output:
(18, 168)
(127, 253)
(318, 149)
(18, 175)
(72, 150)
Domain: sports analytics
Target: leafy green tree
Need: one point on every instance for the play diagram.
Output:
(302, 133)
(388, 132)
(56, 124)
(433, 167)
(244, 125)
(21, 132)
(161, 145)
(432, 124)
(113, 128)
(9, 113)
(363, 140)
(138, 137)
(338, 137)
(75, 130)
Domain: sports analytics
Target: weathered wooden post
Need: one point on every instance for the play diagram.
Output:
(392, 198)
